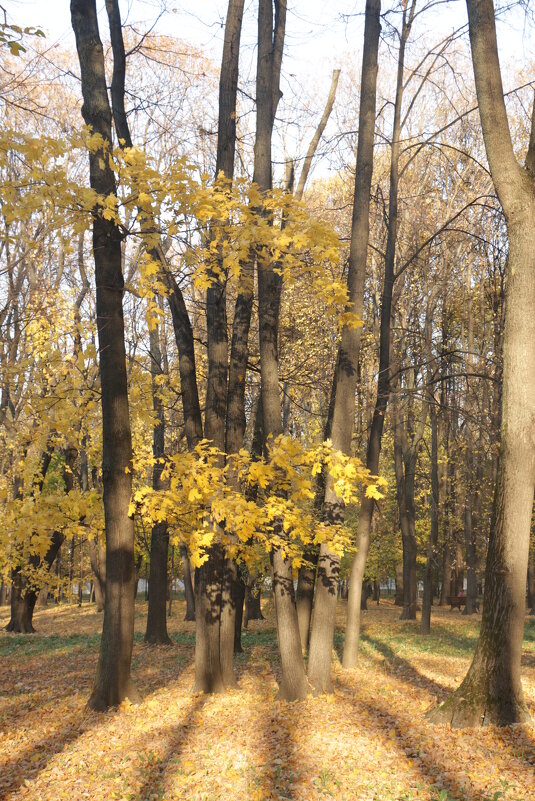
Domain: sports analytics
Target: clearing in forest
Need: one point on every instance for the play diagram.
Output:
(369, 741)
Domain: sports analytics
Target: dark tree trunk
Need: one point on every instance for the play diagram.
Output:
(427, 602)
(345, 379)
(188, 584)
(3, 593)
(531, 580)
(253, 608)
(22, 606)
(492, 691)
(446, 575)
(294, 684)
(219, 623)
(376, 591)
(97, 558)
(364, 597)
(399, 585)
(305, 594)
(358, 564)
(156, 632)
(113, 681)
(238, 621)
(208, 589)
(23, 597)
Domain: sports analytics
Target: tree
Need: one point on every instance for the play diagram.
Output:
(113, 682)
(345, 377)
(491, 691)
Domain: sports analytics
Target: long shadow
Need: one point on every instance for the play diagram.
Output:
(277, 773)
(384, 720)
(157, 770)
(404, 669)
(34, 758)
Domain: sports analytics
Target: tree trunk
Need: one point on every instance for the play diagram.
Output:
(97, 559)
(240, 599)
(253, 608)
(345, 379)
(22, 606)
(531, 580)
(492, 691)
(446, 575)
(304, 598)
(188, 584)
(270, 44)
(156, 632)
(208, 671)
(398, 600)
(113, 681)
(427, 602)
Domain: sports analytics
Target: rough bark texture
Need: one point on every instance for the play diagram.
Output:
(113, 681)
(345, 380)
(492, 690)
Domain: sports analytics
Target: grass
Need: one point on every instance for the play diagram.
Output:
(369, 741)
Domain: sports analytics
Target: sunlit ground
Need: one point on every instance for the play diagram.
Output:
(370, 740)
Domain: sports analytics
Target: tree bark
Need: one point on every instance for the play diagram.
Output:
(97, 558)
(156, 632)
(188, 584)
(531, 581)
(427, 601)
(294, 684)
(492, 691)
(345, 380)
(113, 681)
(383, 382)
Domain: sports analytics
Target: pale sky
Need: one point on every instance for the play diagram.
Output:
(316, 29)
(320, 34)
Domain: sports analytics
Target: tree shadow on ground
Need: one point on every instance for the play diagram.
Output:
(396, 664)
(277, 772)
(27, 763)
(410, 740)
(404, 669)
(156, 771)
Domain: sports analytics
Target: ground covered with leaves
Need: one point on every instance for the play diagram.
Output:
(369, 741)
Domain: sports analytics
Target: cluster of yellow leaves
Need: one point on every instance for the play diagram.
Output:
(224, 226)
(252, 505)
(28, 524)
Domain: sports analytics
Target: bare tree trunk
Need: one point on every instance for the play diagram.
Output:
(383, 382)
(216, 576)
(492, 691)
(531, 581)
(270, 40)
(97, 558)
(188, 584)
(345, 380)
(427, 601)
(113, 681)
(156, 632)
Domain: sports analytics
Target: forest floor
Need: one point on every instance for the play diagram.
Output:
(369, 741)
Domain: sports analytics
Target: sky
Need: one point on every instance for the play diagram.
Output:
(317, 30)
(320, 35)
